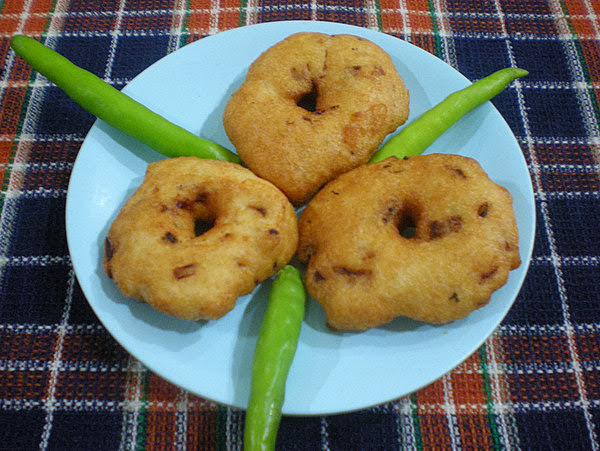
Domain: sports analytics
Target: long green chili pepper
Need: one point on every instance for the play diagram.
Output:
(275, 349)
(115, 107)
(423, 131)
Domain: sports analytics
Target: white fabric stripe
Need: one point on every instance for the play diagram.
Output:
(406, 25)
(131, 406)
(234, 432)
(86, 366)
(314, 6)
(371, 13)
(503, 329)
(519, 406)
(13, 193)
(323, 430)
(76, 405)
(82, 405)
(407, 435)
(402, 9)
(35, 260)
(114, 34)
(213, 21)
(46, 328)
(445, 33)
(181, 420)
(502, 407)
(450, 410)
(38, 166)
(50, 398)
(178, 18)
(495, 368)
(251, 12)
(388, 30)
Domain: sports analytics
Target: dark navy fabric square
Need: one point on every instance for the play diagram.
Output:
(88, 53)
(148, 5)
(85, 430)
(528, 7)
(39, 227)
(507, 104)
(539, 301)
(554, 113)
(299, 433)
(470, 6)
(556, 430)
(59, 115)
(95, 6)
(477, 59)
(541, 245)
(545, 60)
(136, 53)
(33, 294)
(21, 429)
(575, 223)
(365, 429)
(81, 312)
(583, 297)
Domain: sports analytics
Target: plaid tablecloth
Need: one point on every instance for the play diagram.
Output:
(535, 383)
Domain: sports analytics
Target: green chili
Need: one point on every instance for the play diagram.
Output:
(275, 349)
(114, 107)
(423, 131)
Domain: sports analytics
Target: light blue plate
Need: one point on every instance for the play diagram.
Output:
(332, 372)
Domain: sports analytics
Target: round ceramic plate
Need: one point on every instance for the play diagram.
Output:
(332, 372)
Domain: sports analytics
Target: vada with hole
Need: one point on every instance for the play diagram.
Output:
(312, 107)
(196, 235)
(429, 237)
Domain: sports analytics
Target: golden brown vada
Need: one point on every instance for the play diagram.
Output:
(312, 107)
(196, 235)
(430, 238)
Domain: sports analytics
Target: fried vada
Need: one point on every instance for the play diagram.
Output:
(196, 235)
(312, 107)
(429, 237)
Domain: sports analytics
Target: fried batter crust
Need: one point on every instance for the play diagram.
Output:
(357, 98)
(429, 237)
(159, 251)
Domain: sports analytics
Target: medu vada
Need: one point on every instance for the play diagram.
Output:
(312, 107)
(430, 237)
(196, 235)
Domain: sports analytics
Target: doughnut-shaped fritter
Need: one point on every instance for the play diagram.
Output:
(429, 237)
(312, 107)
(196, 235)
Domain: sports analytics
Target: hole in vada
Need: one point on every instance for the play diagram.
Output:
(203, 225)
(308, 100)
(483, 209)
(407, 223)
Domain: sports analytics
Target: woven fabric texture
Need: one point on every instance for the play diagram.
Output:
(66, 384)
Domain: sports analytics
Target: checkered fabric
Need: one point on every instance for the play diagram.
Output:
(65, 384)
